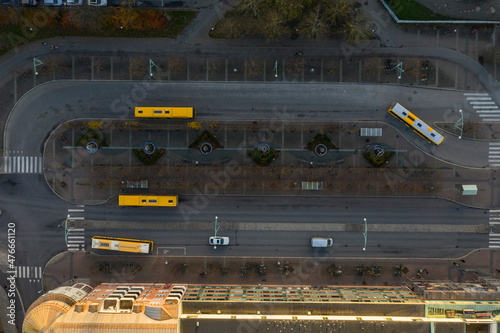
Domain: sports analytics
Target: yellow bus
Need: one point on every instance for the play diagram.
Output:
(122, 244)
(421, 128)
(148, 200)
(165, 112)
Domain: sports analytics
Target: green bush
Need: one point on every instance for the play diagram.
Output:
(91, 135)
(263, 159)
(320, 139)
(208, 137)
(412, 10)
(377, 162)
(148, 159)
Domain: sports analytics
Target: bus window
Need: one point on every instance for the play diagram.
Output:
(157, 111)
(146, 200)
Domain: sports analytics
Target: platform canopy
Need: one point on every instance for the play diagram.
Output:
(469, 189)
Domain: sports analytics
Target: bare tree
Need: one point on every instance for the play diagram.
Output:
(251, 7)
(274, 25)
(89, 18)
(358, 28)
(314, 24)
(339, 11)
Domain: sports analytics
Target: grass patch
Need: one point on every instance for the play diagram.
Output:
(207, 137)
(377, 162)
(412, 10)
(263, 159)
(148, 159)
(15, 23)
(320, 139)
(91, 135)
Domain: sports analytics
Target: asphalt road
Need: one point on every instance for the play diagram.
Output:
(26, 201)
(56, 102)
(283, 226)
(310, 209)
(25, 196)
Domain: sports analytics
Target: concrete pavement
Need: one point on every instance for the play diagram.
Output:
(93, 269)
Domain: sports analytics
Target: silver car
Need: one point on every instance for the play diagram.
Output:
(219, 240)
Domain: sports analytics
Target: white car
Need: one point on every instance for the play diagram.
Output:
(98, 2)
(219, 240)
(74, 2)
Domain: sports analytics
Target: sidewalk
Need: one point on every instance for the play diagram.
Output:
(80, 177)
(70, 267)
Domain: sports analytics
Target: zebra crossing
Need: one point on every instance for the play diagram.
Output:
(494, 239)
(75, 233)
(34, 274)
(494, 154)
(21, 164)
(484, 106)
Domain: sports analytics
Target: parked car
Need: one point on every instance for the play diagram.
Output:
(53, 2)
(97, 2)
(74, 2)
(219, 240)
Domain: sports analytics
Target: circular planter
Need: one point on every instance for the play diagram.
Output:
(149, 148)
(206, 148)
(264, 148)
(321, 150)
(378, 151)
(91, 147)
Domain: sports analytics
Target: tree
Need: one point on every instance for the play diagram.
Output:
(155, 20)
(125, 18)
(228, 27)
(288, 9)
(338, 12)
(89, 18)
(314, 25)
(358, 28)
(274, 25)
(67, 20)
(252, 8)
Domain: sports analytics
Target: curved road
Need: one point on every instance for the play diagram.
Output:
(53, 103)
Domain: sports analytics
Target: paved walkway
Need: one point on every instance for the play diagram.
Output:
(70, 267)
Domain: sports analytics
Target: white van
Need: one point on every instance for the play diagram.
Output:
(321, 242)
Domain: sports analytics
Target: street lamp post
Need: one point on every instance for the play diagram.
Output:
(36, 63)
(151, 65)
(365, 234)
